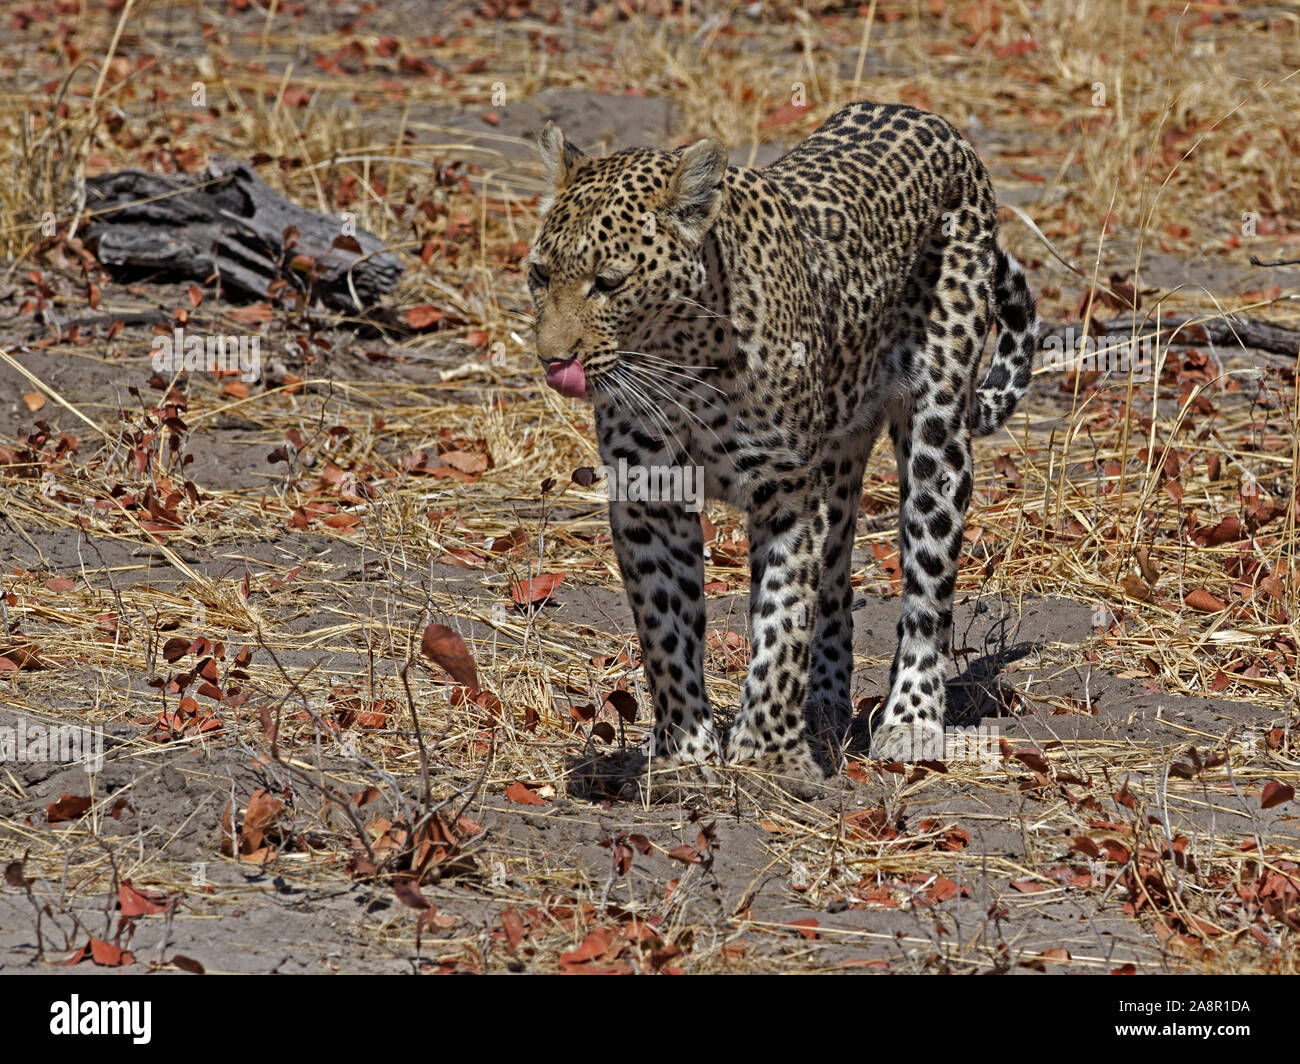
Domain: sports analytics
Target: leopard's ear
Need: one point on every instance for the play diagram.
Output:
(561, 162)
(695, 191)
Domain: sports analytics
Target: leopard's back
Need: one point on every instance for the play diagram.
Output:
(875, 189)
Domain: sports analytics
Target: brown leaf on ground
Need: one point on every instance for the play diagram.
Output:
(596, 944)
(423, 316)
(623, 704)
(408, 893)
(133, 902)
(535, 590)
(513, 926)
(1136, 587)
(807, 927)
(68, 807)
(466, 461)
(446, 648)
(105, 954)
(259, 818)
(14, 876)
(1275, 793)
(520, 794)
(1228, 530)
(785, 115)
(1202, 600)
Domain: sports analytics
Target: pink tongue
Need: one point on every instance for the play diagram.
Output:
(567, 378)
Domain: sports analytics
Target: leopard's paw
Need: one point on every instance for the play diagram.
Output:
(677, 781)
(921, 740)
(771, 773)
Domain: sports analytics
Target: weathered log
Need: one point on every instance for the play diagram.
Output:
(228, 224)
(1181, 330)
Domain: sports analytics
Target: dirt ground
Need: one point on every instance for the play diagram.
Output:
(289, 785)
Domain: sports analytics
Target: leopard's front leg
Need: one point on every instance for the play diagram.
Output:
(787, 534)
(660, 550)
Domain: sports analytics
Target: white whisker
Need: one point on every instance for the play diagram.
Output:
(708, 311)
(660, 360)
(685, 377)
(632, 390)
(689, 414)
(646, 373)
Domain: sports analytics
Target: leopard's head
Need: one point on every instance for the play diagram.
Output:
(619, 253)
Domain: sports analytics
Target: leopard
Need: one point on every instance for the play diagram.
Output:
(762, 326)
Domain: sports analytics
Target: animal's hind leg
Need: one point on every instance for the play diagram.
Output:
(932, 443)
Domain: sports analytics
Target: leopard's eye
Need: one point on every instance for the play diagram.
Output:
(539, 275)
(608, 283)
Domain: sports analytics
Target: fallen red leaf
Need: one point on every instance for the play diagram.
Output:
(1202, 600)
(134, 902)
(944, 888)
(513, 925)
(1276, 793)
(596, 944)
(466, 461)
(423, 316)
(519, 793)
(68, 807)
(259, 816)
(432, 918)
(623, 704)
(252, 313)
(102, 953)
(535, 590)
(446, 649)
(784, 116)
(807, 927)
(409, 894)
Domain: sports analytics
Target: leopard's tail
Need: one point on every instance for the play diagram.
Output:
(1008, 374)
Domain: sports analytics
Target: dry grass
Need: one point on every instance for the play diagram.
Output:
(1119, 493)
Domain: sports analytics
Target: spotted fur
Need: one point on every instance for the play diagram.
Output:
(766, 324)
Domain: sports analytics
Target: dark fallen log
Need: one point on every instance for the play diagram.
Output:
(1183, 330)
(228, 225)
